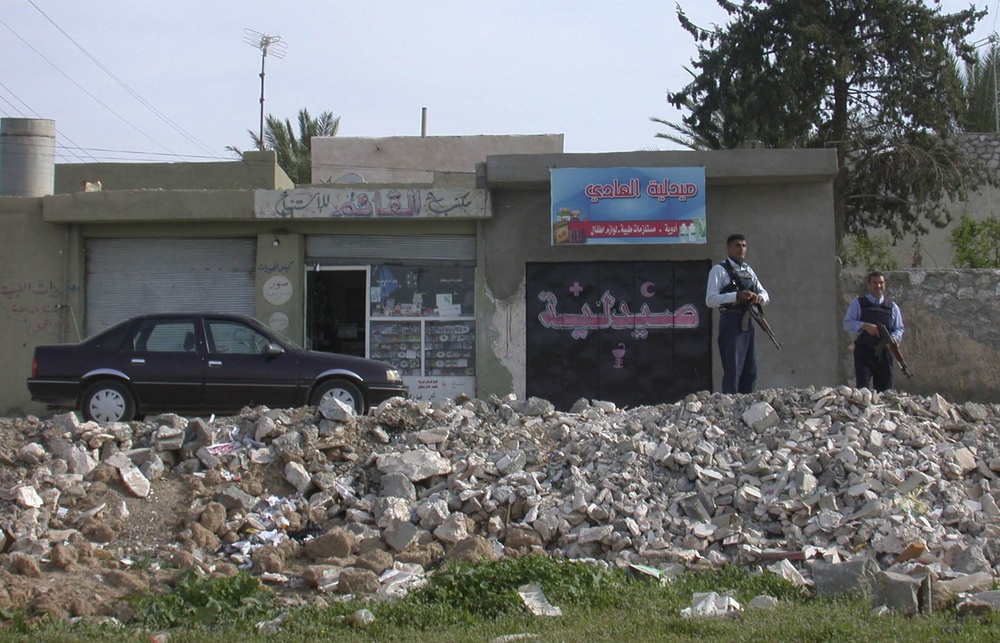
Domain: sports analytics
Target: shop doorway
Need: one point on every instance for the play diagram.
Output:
(335, 309)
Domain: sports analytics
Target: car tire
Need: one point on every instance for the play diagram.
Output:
(107, 401)
(342, 390)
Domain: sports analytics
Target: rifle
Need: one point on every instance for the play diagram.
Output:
(757, 312)
(885, 341)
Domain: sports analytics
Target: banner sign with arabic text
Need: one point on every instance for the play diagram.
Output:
(363, 203)
(618, 205)
(631, 333)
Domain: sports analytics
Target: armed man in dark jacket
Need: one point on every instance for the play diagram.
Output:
(864, 316)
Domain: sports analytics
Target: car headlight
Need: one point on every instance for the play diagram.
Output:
(393, 375)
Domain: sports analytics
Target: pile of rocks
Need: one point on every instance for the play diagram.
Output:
(319, 499)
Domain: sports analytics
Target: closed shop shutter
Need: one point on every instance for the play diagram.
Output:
(126, 277)
(373, 249)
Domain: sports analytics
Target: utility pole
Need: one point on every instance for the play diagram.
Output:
(267, 43)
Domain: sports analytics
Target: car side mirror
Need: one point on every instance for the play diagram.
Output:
(273, 349)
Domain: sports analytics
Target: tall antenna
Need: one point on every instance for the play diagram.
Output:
(267, 43)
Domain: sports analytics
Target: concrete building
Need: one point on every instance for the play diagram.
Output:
(428, 264)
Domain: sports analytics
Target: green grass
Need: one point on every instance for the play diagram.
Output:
(479, 602)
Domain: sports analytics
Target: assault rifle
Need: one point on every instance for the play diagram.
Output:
(885, 341)
(757, 312)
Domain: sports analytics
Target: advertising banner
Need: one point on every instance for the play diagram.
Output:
(628, 205)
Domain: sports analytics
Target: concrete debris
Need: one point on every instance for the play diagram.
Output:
(842, 489)
(535, 600)
(711, 604)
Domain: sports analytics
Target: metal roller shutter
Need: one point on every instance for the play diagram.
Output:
(341, 248)
(126, 277)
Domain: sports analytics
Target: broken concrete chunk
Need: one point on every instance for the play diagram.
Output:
(760, 417)
(417, 465)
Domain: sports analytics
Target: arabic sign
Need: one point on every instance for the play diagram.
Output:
(628, 332)
(628, 205)
(387, 203)
(608, 316)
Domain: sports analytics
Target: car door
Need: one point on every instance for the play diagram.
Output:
(241, 372)
(164, 364)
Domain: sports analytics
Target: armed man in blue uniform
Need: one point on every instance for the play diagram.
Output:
(733, 288)
(863, 318)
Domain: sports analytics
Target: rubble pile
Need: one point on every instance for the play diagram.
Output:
(320, 501)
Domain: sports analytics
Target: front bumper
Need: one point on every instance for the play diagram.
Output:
(379, 393)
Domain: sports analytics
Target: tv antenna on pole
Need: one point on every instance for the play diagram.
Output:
(268, 44)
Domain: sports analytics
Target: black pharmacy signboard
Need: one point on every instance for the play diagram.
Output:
(632, 333)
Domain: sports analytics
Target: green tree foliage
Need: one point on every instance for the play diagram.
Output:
(872, 79)
(294, 152)
(869, 252)
(976, 243)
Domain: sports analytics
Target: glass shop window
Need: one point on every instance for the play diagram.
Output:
(422, 291)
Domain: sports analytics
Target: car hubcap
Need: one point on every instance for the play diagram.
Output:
(107, 406)
(341, 395)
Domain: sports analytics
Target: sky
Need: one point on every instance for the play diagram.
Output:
(177, 80)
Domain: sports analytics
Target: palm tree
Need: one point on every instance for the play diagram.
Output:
(294, 153)
(979, 85)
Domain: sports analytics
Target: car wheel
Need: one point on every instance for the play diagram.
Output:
(340, 390)
(108, 401)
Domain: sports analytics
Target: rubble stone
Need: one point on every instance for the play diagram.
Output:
(829, 486)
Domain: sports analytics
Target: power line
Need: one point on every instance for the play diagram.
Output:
(177, 128)
(84, 90)
(9, 91)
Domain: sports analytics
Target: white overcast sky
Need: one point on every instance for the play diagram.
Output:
(173, 80)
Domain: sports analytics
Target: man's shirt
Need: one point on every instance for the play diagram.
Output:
(719, 278)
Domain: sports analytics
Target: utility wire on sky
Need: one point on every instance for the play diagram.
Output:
(177, 128)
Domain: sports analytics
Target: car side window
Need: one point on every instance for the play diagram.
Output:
(165, 336)
(112, 340)
(234, 338)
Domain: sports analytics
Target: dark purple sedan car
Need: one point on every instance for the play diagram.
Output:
(198, 363)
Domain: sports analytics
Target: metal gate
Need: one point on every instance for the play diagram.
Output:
(632, 333)
(126, 277)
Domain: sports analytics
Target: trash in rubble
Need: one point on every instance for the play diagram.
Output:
(399, 580)
(273, 626)
(536, 602)
(711, 604)
(510, 638)
(224, 448)
(652, 574)
(272, 577)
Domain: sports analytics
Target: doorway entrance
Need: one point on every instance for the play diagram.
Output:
(336, 309)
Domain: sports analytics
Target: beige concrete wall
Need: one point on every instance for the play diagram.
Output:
(782, 200)
(256, 170)
(36, 293)
(280, 283)
(415, 159)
